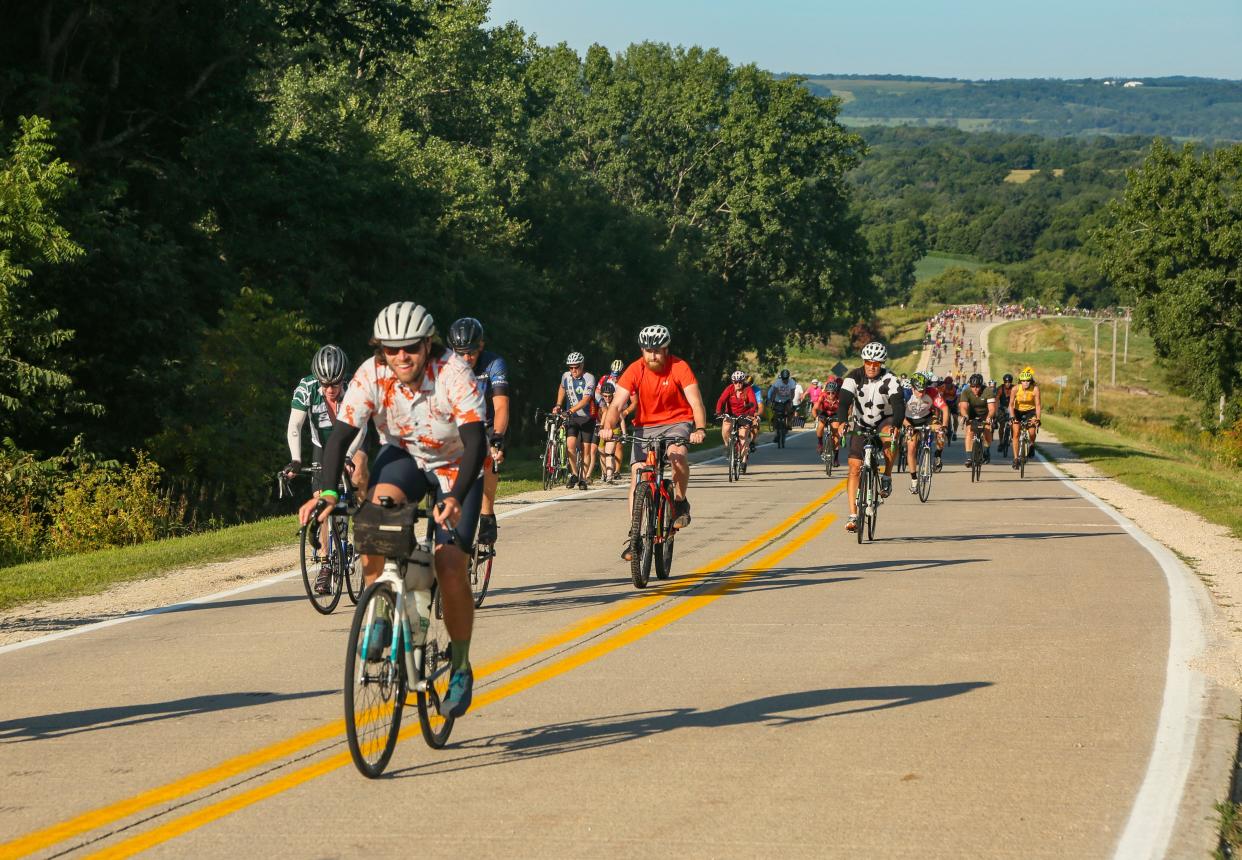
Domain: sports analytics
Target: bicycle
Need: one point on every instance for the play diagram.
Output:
(479, 565)
(341, 556)
(926, 458)
(1024, 444)
(735, 447)
(386, 652)
(1003, 434)
(976, 450)
(867, 498)
(828, 455)
(555, 450)
(780, 423)
(652, 533)
(899, 456)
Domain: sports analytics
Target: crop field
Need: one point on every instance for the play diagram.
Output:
(936, 262)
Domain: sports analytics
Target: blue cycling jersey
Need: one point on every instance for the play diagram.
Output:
(491, 374)
(576, 389)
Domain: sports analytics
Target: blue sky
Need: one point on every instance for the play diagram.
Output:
(950, 38)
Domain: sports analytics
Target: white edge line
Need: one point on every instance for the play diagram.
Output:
(262, 583)
(1153, 816)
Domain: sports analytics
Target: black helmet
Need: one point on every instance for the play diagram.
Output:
(1008, 377)
(330, 366)
(976, 380)
(608, 389)
(465, 334)
(785, 375)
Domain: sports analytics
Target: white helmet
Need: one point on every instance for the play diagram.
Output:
(737, 376)
(874, 351)
(402, 324)
(617, 365)
(654, 337)
(330, 366)
(575, 358)
(814, 382)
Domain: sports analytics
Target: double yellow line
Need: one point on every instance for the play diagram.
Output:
(44, 838)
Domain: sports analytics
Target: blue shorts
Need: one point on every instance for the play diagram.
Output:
(393, 465)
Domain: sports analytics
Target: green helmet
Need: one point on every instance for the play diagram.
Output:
(919, 381)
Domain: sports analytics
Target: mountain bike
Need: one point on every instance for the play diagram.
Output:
(555, 451)
(340, 555)
(1023, 443)
(926, 447)
(867, 498)
(977, 449)
(735, 447)
(397, 643)
(652, 533)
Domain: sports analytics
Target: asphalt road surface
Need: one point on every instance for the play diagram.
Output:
(984, 679)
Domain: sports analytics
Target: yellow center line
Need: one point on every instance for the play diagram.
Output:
(619, 639)
(97, 818)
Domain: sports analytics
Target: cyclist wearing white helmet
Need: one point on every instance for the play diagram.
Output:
(669, 403)
(737, 402)
(874, 395)
(576, 395)
(319, 397)
(425, 401)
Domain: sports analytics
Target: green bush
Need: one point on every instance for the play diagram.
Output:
(27, 487)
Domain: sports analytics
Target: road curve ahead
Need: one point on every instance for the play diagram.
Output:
(983, 679)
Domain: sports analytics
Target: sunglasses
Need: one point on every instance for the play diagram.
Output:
(408, 349)
(474, 351)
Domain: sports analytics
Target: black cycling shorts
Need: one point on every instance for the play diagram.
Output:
(394, 465)
(856, 441)
(583, 428)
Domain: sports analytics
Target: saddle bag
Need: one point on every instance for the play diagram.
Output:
(385, 531)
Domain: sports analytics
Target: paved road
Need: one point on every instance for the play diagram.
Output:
(983, 680)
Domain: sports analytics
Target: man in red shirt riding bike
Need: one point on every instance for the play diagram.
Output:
(669, 402)
(737, 401)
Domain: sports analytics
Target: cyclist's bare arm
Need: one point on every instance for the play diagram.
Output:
(616, 409)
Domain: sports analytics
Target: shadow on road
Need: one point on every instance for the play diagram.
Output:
(54, 624)
(784, 709)
(1005, 535)
(45, 726)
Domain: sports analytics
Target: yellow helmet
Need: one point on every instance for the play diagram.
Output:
(1027, 375)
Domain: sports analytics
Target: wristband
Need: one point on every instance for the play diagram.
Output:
(333, 493)
(700, 429)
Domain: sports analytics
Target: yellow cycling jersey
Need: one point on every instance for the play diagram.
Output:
(1024, 398)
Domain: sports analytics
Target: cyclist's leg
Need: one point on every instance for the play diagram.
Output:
(318, 484)
(743, 431)
(397, 476)
(887, 432)
(851, 481)
(912, 439)
(678, 460)
(590, 450)
(572, 430)
(726, 425)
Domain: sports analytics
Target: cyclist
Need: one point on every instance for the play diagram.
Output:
(758, 390)
(948, 390)
(576, 394)
(925, 407)
(424, 399)
(1024, 405)
(825, 413)
(875, 396)
(491, 374)
(319, 397)
(978, 402)
(1003, 393)
(610, 459)
(781, 395)
(812, 396)
(737, 402)
(669, 402)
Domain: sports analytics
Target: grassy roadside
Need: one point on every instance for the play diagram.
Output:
(92, 572)
(1138, 434)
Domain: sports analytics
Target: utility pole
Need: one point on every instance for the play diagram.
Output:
(1114, 382)
(1125, 353)
(1095, 383)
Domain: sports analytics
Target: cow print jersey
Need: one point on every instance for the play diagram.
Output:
(876, 399)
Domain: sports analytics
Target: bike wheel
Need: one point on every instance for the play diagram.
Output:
(873, 509)
(925, 474)
(375, 690)
(861, 501)
(549, 463)
(642, 537)
(435, 662)
(353, 562)
(731, 463)
(1022, 457)
(323, 603)
(664, 549)
(481, 571)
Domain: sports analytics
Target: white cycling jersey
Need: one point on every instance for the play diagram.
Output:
(782, 392)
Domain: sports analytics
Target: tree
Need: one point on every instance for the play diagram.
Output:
(1175, 246)
(35, 392)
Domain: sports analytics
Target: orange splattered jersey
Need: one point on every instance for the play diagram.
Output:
(423, 418)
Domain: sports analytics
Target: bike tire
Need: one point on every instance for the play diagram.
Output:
(860, 503)
(353, 562)
(433, 661)
(873, 509)
(549, 464)
(324, 603)
(642, 530)
(1022, 458)
(664, 549)
(731, 463)
(375, 690)
(481, 571)
(924, 474)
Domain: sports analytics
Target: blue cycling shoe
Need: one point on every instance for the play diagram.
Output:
(460, 693)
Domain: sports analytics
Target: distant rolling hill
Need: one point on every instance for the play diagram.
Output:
(1182, 108)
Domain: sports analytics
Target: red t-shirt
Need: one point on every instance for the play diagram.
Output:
(732, 403)
(661, 396)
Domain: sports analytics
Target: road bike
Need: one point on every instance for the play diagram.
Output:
(397, 643)
(652, 533)
(867, 498)
(1004, 433)
(555, 450)
(339, 556)
(899, 454)
(479, 566)
(735, 447)
(828, 456)
(1023, 443)
(780, 423)
(977, 449)
(926, 447)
